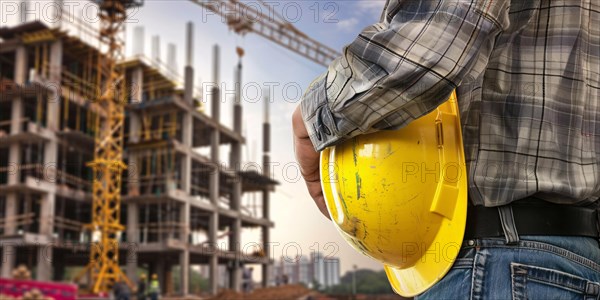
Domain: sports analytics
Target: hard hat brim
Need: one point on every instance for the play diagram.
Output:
(443, 251)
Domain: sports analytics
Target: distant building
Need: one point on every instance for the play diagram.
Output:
(320, 269)
(332, 271)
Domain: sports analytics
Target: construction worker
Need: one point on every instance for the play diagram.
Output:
(154, 288)
(527, 79)
(247, 279)
(141, 287)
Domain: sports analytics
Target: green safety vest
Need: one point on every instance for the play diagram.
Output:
(154, 287)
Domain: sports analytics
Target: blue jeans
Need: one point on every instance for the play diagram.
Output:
(537, 267)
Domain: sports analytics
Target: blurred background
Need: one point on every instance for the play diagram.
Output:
(212, 201)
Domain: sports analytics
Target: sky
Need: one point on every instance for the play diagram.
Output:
(299, 226)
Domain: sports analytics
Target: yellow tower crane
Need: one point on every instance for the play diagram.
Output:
(108, 165)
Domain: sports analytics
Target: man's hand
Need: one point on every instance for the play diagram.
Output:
(308, 159)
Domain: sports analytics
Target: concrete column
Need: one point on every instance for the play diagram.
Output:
(14, 163)
(48, 200)
(10, 212)
(184, 256)
(135, 127)
(56, 55)
(186, 178)
(14, 159)
(138, 40)
(213, 267)
(155, 53)
(236, 196)
(266, 235)
(137, 85)
(235, 245)
(214, 177)
(50, 160)
(16, 116)
(21, 65)
(47, 207)
(9, 253)
(187, 134)
(44, 263)
(132, 238)
(189, 70)
(184, 263)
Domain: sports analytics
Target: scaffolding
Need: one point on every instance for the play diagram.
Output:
(180, 205)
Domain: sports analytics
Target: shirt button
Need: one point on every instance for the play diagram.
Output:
(471, 242)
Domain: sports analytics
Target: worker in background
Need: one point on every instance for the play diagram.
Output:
(124, 291)
(247, 279)
(141, 287)
(116, 291)
(527, 77)
(154, 288)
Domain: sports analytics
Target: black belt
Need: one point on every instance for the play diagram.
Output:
(535, 219)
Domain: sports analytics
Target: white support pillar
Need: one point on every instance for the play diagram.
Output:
(44, 263)
(189, 66)
(48, 204)
(236, 196)
(9, 251)
(16, 116)
(14, 163)
(56, 55)
(21, 65)
(135, 128)
(214, 177)
(137, 85)
(132, 240)
(187, 124)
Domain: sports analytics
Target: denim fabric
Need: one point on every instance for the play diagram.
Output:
(536, 267)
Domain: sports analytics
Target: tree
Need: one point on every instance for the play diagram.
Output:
(367, 282)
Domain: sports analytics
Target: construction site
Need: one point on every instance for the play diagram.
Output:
(172, 202)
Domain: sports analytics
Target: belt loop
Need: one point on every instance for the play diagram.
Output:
(508, 224)
(598, 223)
(593, 290)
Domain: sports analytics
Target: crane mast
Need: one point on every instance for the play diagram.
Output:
(108, 163)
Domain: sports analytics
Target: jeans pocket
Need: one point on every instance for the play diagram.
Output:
(532, 282)
(456, 284)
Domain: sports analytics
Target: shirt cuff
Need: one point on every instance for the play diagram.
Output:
(317, 115)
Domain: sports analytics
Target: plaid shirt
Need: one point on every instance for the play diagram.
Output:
(527, 76)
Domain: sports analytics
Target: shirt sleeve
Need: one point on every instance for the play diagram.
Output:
(402, 68)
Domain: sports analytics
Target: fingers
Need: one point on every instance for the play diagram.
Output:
(308, 160)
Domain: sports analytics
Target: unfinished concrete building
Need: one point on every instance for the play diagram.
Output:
(179, 207)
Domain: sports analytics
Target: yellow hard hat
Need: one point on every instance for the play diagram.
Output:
(400, 196)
